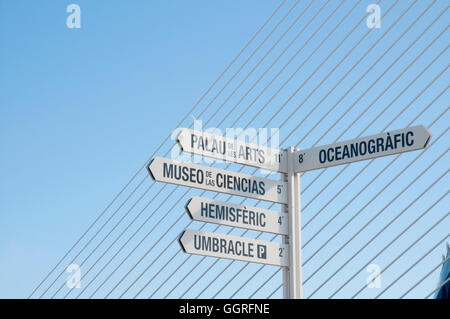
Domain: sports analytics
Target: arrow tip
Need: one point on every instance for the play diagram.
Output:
(180, 241)
(149, 168)
(179, 140)
(429, 135)
(187, 207)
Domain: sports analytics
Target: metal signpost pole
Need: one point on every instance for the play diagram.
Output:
(295, 247)
(290, 163)
(285, 209)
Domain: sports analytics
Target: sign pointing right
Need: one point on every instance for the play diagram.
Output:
(384, 144)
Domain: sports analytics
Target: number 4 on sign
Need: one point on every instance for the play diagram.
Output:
(280, 220)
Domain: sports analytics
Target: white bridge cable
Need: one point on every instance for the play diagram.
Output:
(395, 99)
(244, 283)
(396, 238)
(285, 50)
(438, 96)
(427, 106)
(385, 168)
(386, 226)
(415, 118)
(406, 271)
(341, 42)
(228, 81)
(442, 92)
(373, 102)
(373, 120)
(274, 291)
(331, 126)
(129, 239)
(264, 283)
(362, 95)
(298, 107)
(367, 164)
(206, 122)
(382, 250)
(303, 63)
(158, 148)
(278, 91)
(432, 270)
(441, 285)
(93, 237)
(413, 100)
(389, 86)
(373, 218)
(260, 61)
(287, 64)
(240, 84)
(134, 249)
(413, 265)
(109, 233)
(323, 171)
(318, 67)
(432, 102)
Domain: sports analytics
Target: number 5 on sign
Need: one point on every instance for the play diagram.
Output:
(279, 189)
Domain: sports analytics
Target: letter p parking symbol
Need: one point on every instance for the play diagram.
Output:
(261, 251)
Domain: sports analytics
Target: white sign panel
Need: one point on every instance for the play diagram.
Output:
(217, 180)
(232, 150)
(388, 143)
(233, 247)
(223, 213)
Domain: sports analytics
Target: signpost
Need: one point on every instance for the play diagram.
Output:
(233, 247)
(360, 149)
(231, 150)
(217, 180)
(223, 213)
(290, 163)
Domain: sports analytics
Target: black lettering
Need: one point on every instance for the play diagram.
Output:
(409, 138)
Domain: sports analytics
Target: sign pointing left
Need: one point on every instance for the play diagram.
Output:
(232, 247)
(235, 215)
(217, 180)
(232, 150)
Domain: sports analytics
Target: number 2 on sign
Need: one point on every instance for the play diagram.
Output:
(281, 251)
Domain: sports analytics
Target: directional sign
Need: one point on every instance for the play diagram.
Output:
(223, 213)
(388, 143)
(232, 150)
(233, 247)
(217, 180)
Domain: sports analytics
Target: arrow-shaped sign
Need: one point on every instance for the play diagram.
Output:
(232, 150)
(223, 213)
(217, 180)
(384, 144)
(233, 247)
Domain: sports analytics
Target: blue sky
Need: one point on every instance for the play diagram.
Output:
(83, 109)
